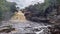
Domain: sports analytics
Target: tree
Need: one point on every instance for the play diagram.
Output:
(6, 7)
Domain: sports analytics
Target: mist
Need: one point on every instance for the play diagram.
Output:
(25, 3)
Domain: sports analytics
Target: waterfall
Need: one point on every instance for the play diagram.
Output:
(19, 16)
(21, 25)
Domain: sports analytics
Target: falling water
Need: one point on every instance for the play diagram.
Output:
(19, 22)
(19, 16)
(22, 26)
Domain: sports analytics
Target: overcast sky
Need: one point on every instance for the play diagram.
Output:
(24, 3)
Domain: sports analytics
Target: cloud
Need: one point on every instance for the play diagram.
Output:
(24, 3)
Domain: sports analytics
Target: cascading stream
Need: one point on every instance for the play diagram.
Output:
(19, 16)
(19, 22)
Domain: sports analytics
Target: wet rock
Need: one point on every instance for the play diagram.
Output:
(26, 27)
(55, 29)
(6, 29)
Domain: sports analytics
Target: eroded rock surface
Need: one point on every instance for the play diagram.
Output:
(26, 27)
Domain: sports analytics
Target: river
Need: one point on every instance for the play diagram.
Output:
(23, 26)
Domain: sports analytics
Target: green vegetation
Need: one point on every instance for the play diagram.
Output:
(48, 9)
(6, 7)
(39, 8)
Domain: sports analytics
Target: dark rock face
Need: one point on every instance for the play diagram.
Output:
(55, 29)
(6, 29)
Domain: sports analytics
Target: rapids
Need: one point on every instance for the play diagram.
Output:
(23, 26)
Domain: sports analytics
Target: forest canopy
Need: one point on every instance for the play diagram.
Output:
(6, 7)
(48, 9)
